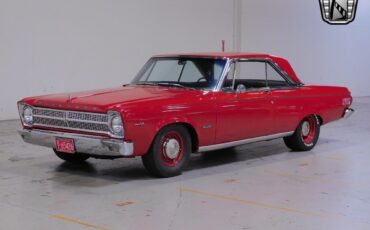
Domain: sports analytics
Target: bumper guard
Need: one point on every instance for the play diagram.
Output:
(348, 112)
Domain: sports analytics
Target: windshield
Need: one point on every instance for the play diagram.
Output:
(199, 73)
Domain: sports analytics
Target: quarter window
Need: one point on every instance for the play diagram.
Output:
(274, 79)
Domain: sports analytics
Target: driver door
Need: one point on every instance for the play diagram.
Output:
(244, 108)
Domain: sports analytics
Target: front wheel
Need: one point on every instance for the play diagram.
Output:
(305, 136)
(169, 153)
(72, 158)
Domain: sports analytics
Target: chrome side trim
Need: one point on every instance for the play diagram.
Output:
(94, 145)
(348, 112)
(242, 142)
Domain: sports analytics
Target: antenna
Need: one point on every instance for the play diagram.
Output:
(223, 45)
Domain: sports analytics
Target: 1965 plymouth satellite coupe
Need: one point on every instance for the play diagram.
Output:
(185, 103)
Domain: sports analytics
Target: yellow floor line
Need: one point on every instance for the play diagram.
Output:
(80, 222)
(250, 202)
(275, 207)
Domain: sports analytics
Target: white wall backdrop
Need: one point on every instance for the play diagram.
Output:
(49, 46)
(320, 53)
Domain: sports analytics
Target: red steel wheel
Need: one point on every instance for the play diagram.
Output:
(305, 136)
(172, 148)
(309, 129)
(170, 151)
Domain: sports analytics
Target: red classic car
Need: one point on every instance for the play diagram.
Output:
(182, 104)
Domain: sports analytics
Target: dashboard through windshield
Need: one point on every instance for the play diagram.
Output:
(189, 72)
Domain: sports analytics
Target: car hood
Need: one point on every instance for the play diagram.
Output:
(113, 98)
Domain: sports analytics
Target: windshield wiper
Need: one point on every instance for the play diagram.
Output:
(146, 83)
(164, 84)
(173, 84)
(170, 84)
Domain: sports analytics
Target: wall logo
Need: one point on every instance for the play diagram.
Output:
(338, 12)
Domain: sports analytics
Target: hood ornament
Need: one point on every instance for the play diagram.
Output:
(69, 98)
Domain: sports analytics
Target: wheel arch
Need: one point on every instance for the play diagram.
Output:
(321, 120)
(317, 115)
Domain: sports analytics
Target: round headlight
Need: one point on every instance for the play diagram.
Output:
(27, 115)
(116, 125)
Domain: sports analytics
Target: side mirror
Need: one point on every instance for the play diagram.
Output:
(240, 88)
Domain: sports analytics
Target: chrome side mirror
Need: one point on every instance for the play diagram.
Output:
(240, 88)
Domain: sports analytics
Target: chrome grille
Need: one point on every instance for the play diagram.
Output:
(43, 121)
(87, 116)
(48, 112)
(72, 120)
(88, 126)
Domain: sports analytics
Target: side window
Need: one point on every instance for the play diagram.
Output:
(251, 70)
(253, 75)
(246, 75)
(274, 79)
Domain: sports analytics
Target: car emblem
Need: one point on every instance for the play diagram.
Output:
(338, 12)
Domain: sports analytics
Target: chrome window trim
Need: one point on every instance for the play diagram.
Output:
(215, 88)
(273, 64)
(223, 75)
(242, 142)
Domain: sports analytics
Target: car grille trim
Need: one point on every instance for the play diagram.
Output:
(71, 120)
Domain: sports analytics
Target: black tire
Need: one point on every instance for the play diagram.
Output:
(158, 162)
(303, 140)
(72, 158)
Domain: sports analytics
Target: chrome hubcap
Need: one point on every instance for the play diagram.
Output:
(305, 128)
(172, 148)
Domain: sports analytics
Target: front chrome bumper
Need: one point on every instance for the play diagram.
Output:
(348, 112)
(93, 145)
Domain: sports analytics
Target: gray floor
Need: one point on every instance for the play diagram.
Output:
(257, 186)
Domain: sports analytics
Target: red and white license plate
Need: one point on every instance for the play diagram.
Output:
(65, 145)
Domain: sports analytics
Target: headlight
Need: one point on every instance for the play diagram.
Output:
(115, 124)
(26, 113)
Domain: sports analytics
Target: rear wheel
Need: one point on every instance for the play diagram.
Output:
(73, 158)
(305, 136)
(169, 153)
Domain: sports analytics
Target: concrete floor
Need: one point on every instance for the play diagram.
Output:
(257, 186)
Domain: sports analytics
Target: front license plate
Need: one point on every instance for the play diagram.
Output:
(65, 145)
